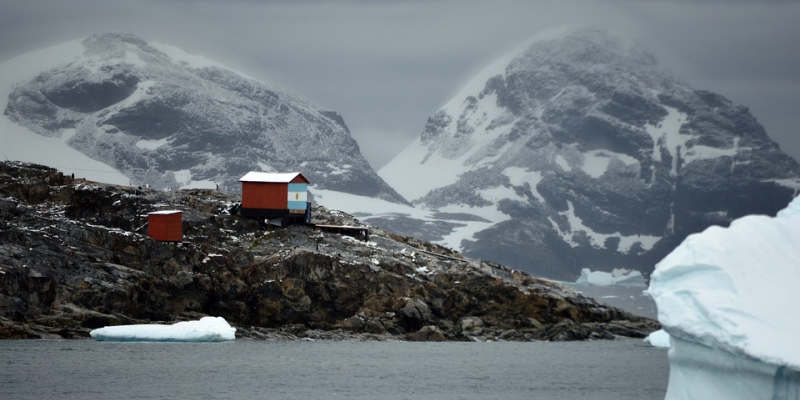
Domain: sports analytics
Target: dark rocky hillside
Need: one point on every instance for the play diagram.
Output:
(74, 256)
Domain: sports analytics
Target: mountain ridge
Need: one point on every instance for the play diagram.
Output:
(581, 151)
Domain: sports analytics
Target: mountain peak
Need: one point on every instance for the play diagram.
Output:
(584, 153)
(104, 41)
(590, 46)
(166, 118)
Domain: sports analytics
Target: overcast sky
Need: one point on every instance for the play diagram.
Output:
(386, 66)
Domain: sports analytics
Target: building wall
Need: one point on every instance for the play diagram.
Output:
(165, 227)
(298, 196)
(267, 196)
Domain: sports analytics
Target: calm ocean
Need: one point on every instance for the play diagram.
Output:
(245, 369)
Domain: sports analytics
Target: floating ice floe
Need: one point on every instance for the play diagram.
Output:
(207, 329)
(728, 298)
(659, 338)
(617, 277)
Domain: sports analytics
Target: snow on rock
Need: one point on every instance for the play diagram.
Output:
(619, 277)
(726, 296)
(207, 329)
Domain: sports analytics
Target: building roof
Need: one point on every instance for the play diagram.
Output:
(271, 177)
(165, 212)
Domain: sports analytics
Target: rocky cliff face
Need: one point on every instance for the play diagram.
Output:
(166, 118)
(582, 153)
(74, 256)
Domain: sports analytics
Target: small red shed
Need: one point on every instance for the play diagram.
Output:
(165, 225)
(276, 196)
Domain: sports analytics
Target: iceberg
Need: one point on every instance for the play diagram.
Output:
(659, 338)
(727, 297)
(207, 329)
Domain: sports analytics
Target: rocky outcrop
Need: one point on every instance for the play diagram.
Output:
(75, 256)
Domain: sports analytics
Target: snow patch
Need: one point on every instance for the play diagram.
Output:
(184, 179)
(467, 232)
(408, 173)
(596, 162)
(562, 162)
(792, 183)
(706, 152)
(617, 277)
(151, 144)
(367, 208)
(133, 58)
(67, 134)
(667, 134)
(519, 177)
(498, 193)
(339, 169)
(598, 240)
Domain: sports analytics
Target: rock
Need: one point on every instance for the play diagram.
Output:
(414, 314)
(354, 324)
(375, 327)
(428, 333)
(65, 273)
(470, 325)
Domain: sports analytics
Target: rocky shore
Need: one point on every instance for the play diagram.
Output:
(75, 256)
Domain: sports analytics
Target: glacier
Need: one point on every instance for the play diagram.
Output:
(207, 329)
(726, 297)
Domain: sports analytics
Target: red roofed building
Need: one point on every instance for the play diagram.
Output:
(281, 198)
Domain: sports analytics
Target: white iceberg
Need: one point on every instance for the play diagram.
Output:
(207, 329)
(617, 277)
(659, 338)
(728, 298)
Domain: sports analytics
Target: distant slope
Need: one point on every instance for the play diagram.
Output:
(580, 152)
(163, 117)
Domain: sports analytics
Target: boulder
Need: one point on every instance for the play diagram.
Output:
(470, 325)
(428, 333)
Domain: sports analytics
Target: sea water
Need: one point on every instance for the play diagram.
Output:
(247, 369)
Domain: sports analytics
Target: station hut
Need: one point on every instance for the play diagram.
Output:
(165, 225)
(280, 198)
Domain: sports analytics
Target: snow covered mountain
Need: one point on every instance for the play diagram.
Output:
(578, 151)
(116, 108)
